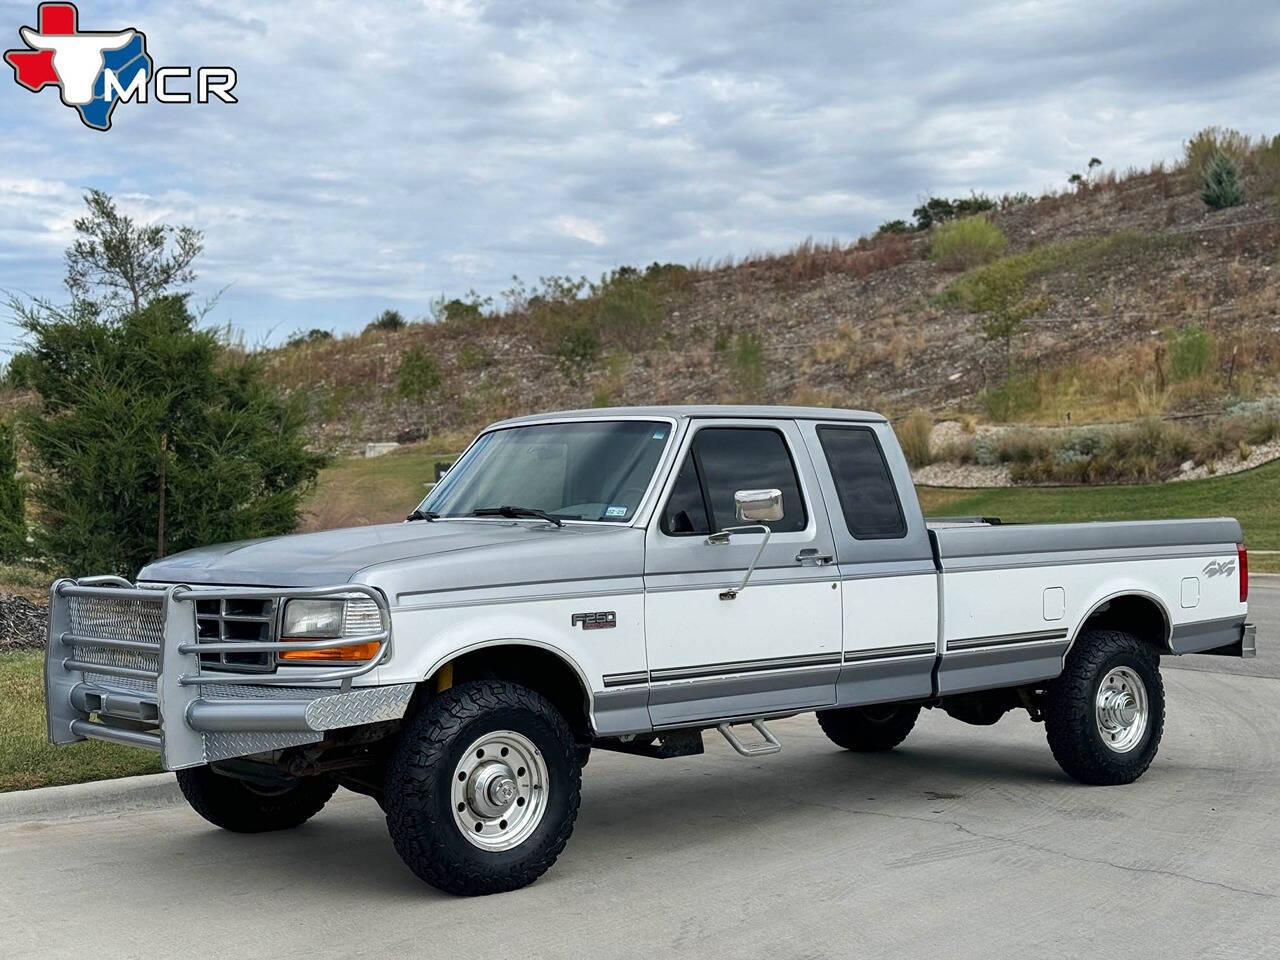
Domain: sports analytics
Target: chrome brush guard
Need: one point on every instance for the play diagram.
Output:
(123, 664)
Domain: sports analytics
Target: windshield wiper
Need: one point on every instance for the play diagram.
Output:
(515, 513)
(422, 515)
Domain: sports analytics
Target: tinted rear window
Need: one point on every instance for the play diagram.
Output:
(868, 497)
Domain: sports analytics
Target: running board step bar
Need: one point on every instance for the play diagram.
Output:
(768, 746)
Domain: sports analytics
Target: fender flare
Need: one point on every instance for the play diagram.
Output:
(557, 652)
(1127, 592)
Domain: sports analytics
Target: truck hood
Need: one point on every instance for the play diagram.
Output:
(338, 556)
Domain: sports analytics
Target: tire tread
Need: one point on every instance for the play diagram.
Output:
(1070, 726)
(416, 829)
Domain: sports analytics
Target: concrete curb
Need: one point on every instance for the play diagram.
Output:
(82, 801)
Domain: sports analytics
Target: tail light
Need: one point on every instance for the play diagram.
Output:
(1242, 555)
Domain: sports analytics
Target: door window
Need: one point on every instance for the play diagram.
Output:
(868, 497)
(722, 461)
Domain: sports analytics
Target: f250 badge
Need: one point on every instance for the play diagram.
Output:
(1219, 568)
(603, 620)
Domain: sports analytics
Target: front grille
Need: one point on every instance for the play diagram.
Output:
(229, 620)
(114, 619)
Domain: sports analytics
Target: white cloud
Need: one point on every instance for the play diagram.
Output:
(579, 229)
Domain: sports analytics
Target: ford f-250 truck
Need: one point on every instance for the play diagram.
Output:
(627, 580)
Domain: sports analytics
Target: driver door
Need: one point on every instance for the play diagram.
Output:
(774, 647)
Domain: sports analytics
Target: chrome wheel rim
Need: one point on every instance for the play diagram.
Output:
(1121, 709)
(499, 790)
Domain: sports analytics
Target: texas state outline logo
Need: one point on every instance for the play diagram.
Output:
(96, 70)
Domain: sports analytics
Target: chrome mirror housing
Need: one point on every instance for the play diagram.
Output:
(758, 506)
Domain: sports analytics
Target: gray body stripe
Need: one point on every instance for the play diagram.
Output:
(499, 595)
(1015, 561)
(626, 679)
(1206, 634)
(969, 643)
(891, 653)
(743, 666)
(619, 712)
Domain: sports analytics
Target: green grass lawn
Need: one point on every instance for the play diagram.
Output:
(1252, 497)
(27, 759)
(356, 490)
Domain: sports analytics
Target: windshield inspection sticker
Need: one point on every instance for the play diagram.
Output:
(615, 511)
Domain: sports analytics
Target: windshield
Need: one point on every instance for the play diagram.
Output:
(571, 470)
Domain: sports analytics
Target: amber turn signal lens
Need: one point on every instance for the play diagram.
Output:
(359, 652)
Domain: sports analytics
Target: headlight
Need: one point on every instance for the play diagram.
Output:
(320, 619)
(329, 620)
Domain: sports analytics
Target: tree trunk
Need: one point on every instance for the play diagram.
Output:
(164, 464)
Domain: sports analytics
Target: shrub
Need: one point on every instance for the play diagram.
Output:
(474, 355)
(748, 362)
(387, 320)
(893, 226)
(966, 243)
(313, 335)
(1200, 150)
(1222, 185)
(625, 308)
(938, 210)
(1191, 350)
(914, 436)
(18, 373)
(419, 375)
(151, 438)
(576, 345)
(460, 311)
(1014, 396)
(13, 522)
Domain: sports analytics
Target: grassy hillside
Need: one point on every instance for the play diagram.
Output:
(1102, 274)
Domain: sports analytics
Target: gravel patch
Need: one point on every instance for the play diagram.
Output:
(962, 475)
(23, 625)
(1263, 453)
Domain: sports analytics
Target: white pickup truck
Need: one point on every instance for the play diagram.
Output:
(626, 580)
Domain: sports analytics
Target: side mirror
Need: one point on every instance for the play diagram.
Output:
(758, 506)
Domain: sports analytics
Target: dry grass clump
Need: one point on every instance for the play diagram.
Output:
(964, 244)
(914, 436)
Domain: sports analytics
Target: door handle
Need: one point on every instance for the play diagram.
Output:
(809, 557)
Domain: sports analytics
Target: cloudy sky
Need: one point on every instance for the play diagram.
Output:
(384, 153)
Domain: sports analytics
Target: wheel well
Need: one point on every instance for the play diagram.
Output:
(1136, 614)
(532, 667)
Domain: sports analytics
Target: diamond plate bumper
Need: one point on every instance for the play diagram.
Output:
(123, 665)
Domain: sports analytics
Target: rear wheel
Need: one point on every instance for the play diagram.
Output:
(870, 729)
(1104, 715)
(483, 788)
(243, 807)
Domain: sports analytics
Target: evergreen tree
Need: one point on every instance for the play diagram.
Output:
(13, 523)
(151, 438)
(1222, 185)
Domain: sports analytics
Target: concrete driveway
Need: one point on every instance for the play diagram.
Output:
(964, 842)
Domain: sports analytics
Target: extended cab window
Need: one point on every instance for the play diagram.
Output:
(722, 461)
(868, 497)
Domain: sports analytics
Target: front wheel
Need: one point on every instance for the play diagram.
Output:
(243, 807)
(1104, 714)
(483, 788)
(872, 729)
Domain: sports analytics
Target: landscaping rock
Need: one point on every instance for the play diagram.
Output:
(23, 625)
